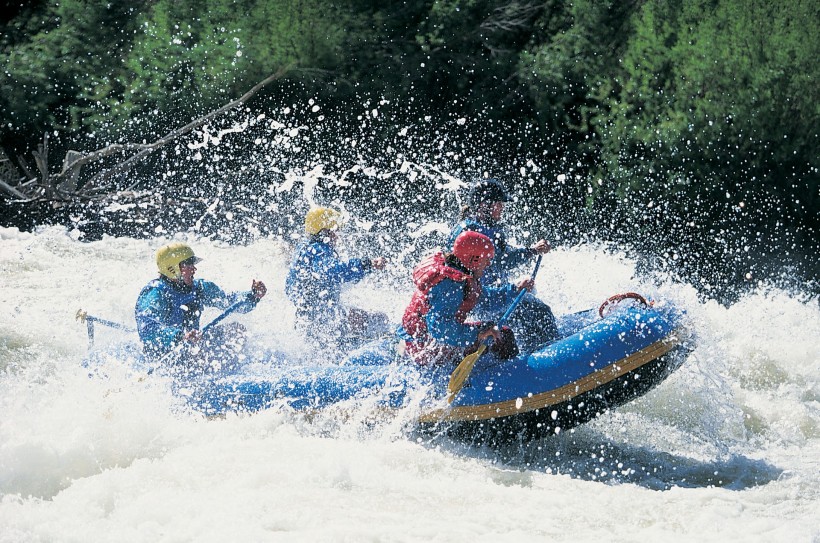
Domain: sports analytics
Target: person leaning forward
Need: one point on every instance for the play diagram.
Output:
(314, 285)
(434, 327)
(169, 308)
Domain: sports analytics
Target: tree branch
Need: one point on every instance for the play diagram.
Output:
(8, 189)
(145, 149)
(64, 184)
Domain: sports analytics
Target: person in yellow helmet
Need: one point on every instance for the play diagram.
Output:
(315, 280)
(168, 308)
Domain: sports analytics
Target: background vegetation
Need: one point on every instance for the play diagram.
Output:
(688, 128)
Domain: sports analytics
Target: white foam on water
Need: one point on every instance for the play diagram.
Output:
(727, 449)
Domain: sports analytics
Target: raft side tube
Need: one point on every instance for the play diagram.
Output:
(599, 353)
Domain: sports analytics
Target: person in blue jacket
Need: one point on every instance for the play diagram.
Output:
(314, 286)
(533, 321)
(436, 326)
(168, 308)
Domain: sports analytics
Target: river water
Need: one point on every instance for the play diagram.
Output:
(727, 449)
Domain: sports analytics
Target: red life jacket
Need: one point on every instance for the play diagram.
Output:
(430, 272)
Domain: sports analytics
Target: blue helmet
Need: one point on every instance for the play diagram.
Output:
(487, 191)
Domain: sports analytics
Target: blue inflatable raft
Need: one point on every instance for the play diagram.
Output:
(598, 364)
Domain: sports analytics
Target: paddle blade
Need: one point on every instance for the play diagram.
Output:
(461, 373)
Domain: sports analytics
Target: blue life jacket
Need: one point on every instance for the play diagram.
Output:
(166, 309)
(315, 279)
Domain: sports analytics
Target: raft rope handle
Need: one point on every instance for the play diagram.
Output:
(618, 298)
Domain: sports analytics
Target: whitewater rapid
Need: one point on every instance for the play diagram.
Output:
(727, 449)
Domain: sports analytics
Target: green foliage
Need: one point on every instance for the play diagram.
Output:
(190, 58)
(717, 98)
(119, 70)
(704, 103)
(56, 62)
(451, 55)
(569, 66)
(471, 49)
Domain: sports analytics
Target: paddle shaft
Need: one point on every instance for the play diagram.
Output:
(90, 320)
(82, 316)
(520, 296)
(224, 314)
(179, 346)
(110, 324)
(465, 367)
(512, 307)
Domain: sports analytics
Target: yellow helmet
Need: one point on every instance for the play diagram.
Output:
(322, 218)
(169, 257)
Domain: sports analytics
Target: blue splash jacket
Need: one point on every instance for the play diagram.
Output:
(315, 279)
(497, 275)
(165, 310)
(445, 299)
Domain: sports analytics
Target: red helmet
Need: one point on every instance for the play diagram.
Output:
(475, 251)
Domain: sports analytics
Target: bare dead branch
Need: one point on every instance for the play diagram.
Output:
(515, 16)
(13, 192)
(64, 184)
(70, 172)
(12, 184)
(25, 167)
(145, 149)
(41, 158)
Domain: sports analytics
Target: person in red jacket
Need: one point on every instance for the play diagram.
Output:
(448, 286)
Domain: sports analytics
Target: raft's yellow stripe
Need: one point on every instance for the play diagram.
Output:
(558, 395)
